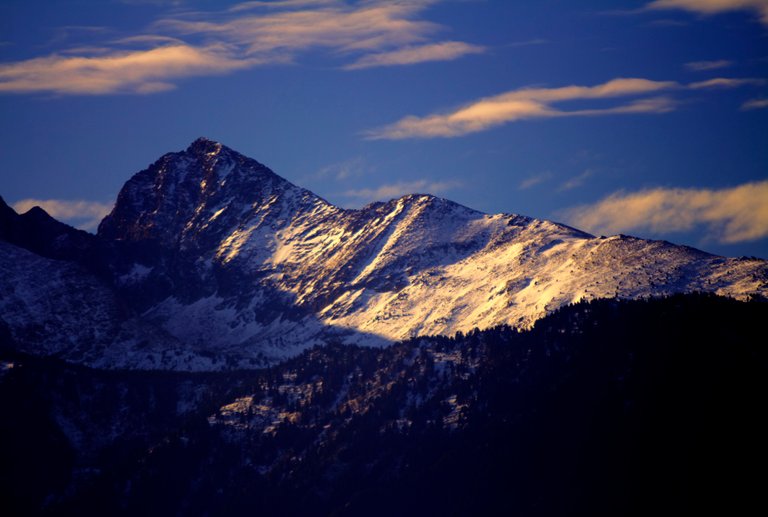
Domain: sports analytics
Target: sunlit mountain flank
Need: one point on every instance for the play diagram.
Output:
(209, 260)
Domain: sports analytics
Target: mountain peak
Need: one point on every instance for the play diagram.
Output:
(204, 146)
(37, 212)
(183, 193)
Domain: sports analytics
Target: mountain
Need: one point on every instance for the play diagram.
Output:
(235, 266)
(40, 233)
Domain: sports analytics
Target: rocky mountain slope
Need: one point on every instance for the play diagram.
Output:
(238, 266)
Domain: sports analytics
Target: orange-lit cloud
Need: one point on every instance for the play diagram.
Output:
(84, 214)
(358, 35)
(532, 103)
(725, 82)
(709, 7)
(139, 71)
(341, 27)
(729, 215)
(529, 103)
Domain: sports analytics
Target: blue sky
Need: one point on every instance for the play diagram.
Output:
(641, 117)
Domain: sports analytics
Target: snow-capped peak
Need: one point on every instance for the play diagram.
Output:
(227, 257)
(181, 192)
(418, 264)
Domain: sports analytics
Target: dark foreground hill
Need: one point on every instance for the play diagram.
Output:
(603, 408)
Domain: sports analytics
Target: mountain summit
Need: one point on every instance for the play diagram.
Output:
(235, 265)
(175, 199)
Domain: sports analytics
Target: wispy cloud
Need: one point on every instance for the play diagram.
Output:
(728, 215)
(401, 188)
(529, 103)
(528, 43)
(148, 39)
(536, 179)
(533, 103)
(576, 181)
(141, 71)
(666, 23)
(704, 66)
(340, 171)
(443, 51)
(725, 82)
(355, 35)
(373, 33)
(755, 104)
(152, 2)
(709, 7)
(279, 4)
(338, 26)
(83, 214)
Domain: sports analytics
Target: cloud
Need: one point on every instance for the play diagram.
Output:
(86, 215)
(401, 188)
(710, 7)
(529, 103)
(141, 71)
(443, 51)
(666, 23)
(360, 35)
(528, 43)
(534, 180)
(728, 215)
(533, 103)
(704, 66)
(152, 2)
(725, 82)
(148, 39)
(340, 171)
(279, 4)
(341, 27)
(576, 181)
(755, 104)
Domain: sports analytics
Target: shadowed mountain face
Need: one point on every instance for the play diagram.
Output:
(227, 260)
(604, 408)
(40, 233)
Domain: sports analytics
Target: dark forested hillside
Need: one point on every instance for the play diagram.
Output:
(604, 408)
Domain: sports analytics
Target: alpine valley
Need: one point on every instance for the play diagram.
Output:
(231, 344)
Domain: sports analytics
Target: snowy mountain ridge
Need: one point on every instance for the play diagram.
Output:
(228, 260)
